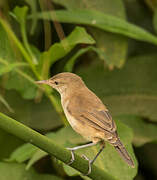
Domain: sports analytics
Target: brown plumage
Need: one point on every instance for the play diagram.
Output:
(86, 113)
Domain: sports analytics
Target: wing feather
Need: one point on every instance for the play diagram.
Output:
(94, 114)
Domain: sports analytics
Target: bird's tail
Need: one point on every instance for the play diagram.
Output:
(123, 152)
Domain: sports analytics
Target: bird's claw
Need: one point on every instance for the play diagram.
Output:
(72, 156)
(90, 162)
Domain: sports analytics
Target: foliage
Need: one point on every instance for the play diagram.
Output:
(112, 46)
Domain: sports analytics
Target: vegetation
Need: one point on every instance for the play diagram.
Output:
(112, 46)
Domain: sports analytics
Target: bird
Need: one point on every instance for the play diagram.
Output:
(87, 115)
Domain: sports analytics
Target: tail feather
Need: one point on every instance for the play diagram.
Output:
(123, 153)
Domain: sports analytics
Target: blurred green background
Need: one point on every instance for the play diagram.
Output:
(112, 45)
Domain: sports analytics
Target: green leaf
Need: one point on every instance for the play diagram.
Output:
(61, 49)
(16, 171)
(144, 131)
(109, 160)
(70, 64)
(106, 42)
(131, 90)
(15, 81)
(26, 88)
(28, 151)
(77, 36)
(36, 156)
(71, 136)
(20, 13)
(33, 114)
(99, 20)
(12, 126)
(9, 67)
(22, 153)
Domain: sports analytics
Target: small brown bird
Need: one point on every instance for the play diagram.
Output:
(87, 115)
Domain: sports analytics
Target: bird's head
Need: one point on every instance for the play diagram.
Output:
(63, 82)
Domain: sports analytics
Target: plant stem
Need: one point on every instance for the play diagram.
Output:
(27, 134)
(32, 66)
(25, 41)
(19, 45)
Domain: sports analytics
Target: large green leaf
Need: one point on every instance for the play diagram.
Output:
(131, 90)
(144, 131)
(22, 153)
(39, 116)
(109, 160)
(62, 48)
(16, 171)
(101, 21)
(114, 46)
(78, 36)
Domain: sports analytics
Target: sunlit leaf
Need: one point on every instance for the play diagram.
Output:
(99, 20)
(113, 45)
(21, 13)
(77, 36)
(61, 49)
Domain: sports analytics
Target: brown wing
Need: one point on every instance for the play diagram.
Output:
(92, 111)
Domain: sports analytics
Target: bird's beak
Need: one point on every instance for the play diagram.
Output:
(43, 82)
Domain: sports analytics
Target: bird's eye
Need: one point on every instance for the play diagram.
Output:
(56, 82)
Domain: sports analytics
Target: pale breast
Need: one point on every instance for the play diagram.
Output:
(71, 119)
(87, 132)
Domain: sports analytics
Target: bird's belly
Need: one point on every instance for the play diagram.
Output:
(87, 132)
(73, 122)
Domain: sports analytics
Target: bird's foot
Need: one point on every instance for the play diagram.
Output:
(72, 156)
(90, 162)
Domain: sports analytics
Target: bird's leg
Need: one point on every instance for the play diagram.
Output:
(90, 162)
(76, 148)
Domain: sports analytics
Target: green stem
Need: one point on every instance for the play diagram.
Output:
(20, 46)
(25, 133)
(28, 59)
(26, 44)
